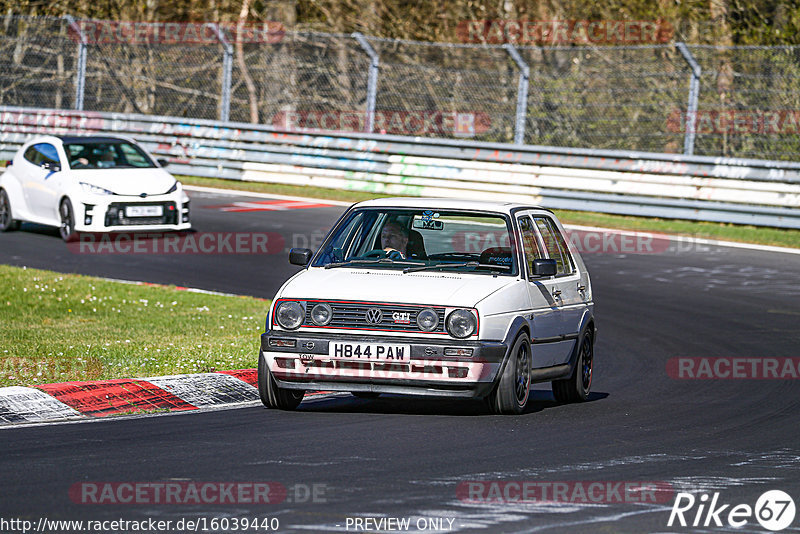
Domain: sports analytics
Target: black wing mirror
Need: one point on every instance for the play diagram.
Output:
(300, 256)
(543, 267)
(162, 162)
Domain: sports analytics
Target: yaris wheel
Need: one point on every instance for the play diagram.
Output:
(67, 229)
(7, 222)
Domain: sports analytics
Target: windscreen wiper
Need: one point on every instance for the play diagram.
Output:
(456, 265)
(370, 262)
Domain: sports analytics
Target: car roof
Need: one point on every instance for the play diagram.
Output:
(89, 139)
(448, 203)
(64, 139)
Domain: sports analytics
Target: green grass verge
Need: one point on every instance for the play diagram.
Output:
(61, 327)
(721, 231)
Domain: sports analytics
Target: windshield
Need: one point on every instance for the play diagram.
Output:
(106, 155)
(421, 239)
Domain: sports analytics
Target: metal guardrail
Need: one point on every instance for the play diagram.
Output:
(758, 192)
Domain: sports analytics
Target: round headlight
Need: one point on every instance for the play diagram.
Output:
(427, 320)
(290, 314)
(461, 323)
(321, 314)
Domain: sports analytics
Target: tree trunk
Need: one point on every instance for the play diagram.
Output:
(251, 87)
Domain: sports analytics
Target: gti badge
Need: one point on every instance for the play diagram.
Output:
(401, 318)
(374, 316)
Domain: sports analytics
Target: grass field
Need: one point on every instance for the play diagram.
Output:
(58, 327)
(706, 230)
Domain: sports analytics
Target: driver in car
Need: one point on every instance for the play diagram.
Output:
(394, 239)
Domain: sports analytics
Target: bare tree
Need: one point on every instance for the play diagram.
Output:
(248, 80)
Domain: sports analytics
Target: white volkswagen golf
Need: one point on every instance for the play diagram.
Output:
(433, 297)
(90, 184)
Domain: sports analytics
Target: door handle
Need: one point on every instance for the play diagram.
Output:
(557, 293)
(581, 287)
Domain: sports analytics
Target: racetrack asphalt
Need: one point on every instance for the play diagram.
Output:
(408, 458)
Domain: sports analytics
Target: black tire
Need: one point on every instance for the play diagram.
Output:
(576, 388)
(7, 222)
(510, 395)
(67, 215)
(271, 395)
(366, 394)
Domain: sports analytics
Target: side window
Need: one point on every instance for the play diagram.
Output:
(41, 153)
(530, 244)
(31, 155)
(48, 152)
(556, 246)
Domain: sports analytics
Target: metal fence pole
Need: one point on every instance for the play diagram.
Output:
(80, 70)
(227, 69)
(522, 94)
(694, 96)
(372, 81)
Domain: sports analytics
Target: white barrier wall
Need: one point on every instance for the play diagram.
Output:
(647, 184)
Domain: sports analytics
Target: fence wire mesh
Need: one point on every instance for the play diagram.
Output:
(614, 97)
(305, 81)
(158, 79)
(37, 62)
(454, 90)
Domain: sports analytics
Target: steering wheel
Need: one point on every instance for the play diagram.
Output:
(376, 253)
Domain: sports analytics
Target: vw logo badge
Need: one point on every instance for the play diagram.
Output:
(430, 351)
(374, 316)
(308, 345)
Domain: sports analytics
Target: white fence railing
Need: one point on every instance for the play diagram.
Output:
(764, 193)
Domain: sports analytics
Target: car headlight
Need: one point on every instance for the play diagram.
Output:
(461, 323)
(427, 320)
(173, 188)
(94, 189)
(321, 314)
(289, 314)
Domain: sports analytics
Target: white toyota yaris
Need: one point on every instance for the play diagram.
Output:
(433, 297)
(90, 184)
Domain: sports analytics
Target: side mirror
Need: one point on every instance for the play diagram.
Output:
(9, 163)
(52, 167)
(300, 256)
(162, 162)
(543, 267)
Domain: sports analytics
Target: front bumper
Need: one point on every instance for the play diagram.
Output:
(427, 371)
(97, 213)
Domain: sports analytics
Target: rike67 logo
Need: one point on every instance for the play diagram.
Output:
(774, 510)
